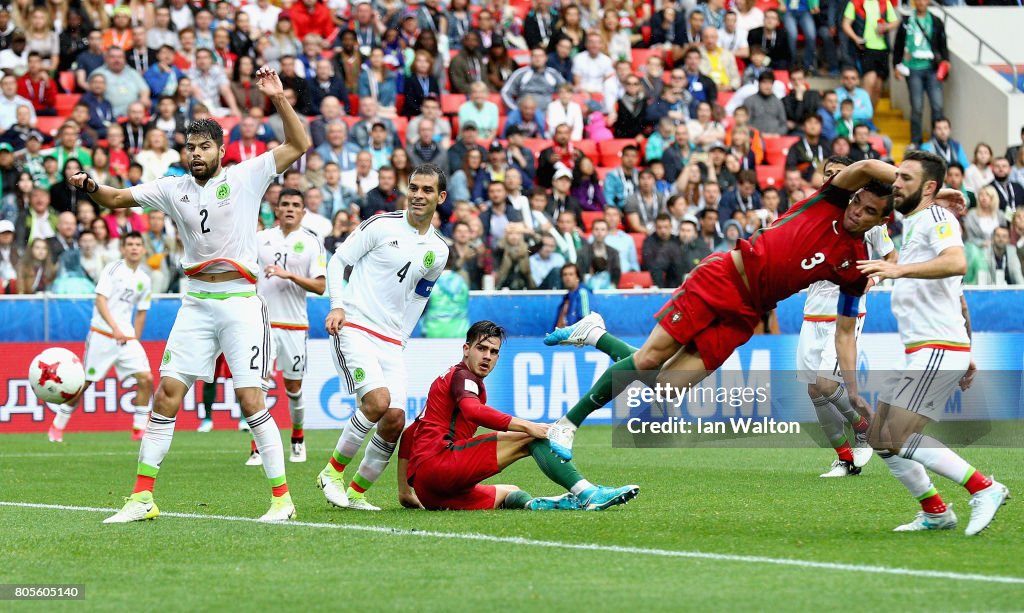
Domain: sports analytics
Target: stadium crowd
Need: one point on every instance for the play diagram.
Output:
(630, 139)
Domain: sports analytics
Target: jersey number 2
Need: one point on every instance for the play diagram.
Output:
(403, 272)
(203, 214)
(811, 262)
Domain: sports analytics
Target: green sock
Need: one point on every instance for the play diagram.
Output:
(615, 348)
(517, 499)
(562, 473)
(599, 395)
(209, 397)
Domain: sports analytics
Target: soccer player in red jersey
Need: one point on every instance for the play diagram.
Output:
(723, 299)
(446, 462)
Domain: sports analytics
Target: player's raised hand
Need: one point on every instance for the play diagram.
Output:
(968, 378)
(335, 321)
(81, 180)
(880, 269)
(861, 405)
(269, 82)
(952, 200)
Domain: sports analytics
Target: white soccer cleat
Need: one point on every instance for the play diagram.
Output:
(298, 453)
(281, 509)
(205, 426)
(984, 505)
(930, 521)
(358, 501)
(137, 507)
(243, 426)
(55, 434)
(862, 450)
(842, 468)
(333, 484)
(577, 333)
(254, 459)
(560, 436)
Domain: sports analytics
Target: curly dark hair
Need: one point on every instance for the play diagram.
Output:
(206, 127)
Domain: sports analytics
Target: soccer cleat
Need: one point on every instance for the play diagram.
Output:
(577, 333)
(565, 502)
(243, 426)
(930, 521)
(842, 468)
(137, 507)
(862, 450)
(333, 484)
(281, 509)
(358, 501)
(599, 497)
(984, 505)
(55, 434)
(254, 459)
(205, 426)
(137, 433)
(560, 436)
(298, 453)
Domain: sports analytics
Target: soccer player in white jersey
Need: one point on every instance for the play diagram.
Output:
(293, 263)
(818, 363)
(113, 338)
(934, 326)
(216, 211)
(395, 259)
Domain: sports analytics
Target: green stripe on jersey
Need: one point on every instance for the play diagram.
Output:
(221, 296)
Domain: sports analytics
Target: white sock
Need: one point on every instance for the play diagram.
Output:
(375, 461)
(63, 414)
(934, 455)
(581, 486)
(268, 443)
(595, 335)
(295, 409)
(910, 473)
(832, 423)
(352, 437)
(156, 442)
(141, 417)
(564, 421)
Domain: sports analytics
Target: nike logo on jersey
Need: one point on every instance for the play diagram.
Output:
(834, 226)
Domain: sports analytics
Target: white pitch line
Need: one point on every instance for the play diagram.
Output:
(515, 540)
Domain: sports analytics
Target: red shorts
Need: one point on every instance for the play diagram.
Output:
(451, 479)
(711, 312)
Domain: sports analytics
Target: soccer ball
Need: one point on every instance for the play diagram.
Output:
(56, 375)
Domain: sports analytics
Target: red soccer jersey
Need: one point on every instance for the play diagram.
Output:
(805, 245)
(455, 409)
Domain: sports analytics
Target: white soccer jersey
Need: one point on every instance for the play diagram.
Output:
(823, 296)
(928, 311)
(125, 289)
(394, 268)
(218, 221)
(302, 253)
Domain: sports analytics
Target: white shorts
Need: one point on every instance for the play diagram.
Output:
(238, 327)
(927, 381)
(816, 351)
(366, 362)
(288, 352)
(102, 352)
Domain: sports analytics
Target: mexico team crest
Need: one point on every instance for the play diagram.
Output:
(359, 375)
(299, 247)
(428, 259)
(223, 191)
(166, 358)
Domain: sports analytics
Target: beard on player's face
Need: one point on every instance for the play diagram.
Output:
(907, 204)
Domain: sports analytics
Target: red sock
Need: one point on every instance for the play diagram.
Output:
(845, 453)
(338, 466)
(297, 435)
(357, 487)
(280, 490)
(861, 426)
(977, 482)
(252, 445)
(933, 504)
(144, 484)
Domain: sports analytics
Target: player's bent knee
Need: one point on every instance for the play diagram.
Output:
(375, 403)
(168, 396)
(826, 387)
(293, 386)
(250, 399)
(391, 424)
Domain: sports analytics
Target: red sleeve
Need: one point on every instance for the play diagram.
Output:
(483, 415)
(50, 100)
(22, 90)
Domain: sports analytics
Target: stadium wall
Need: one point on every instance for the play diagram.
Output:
(533, 382)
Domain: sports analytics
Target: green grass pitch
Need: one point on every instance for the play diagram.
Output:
(766, 503)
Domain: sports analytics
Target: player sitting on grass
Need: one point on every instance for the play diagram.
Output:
(446, 462)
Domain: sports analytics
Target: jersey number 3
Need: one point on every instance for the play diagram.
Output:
(811, 262)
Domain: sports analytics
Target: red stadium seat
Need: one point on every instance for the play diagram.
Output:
(878, 144)
(66, 80)
(450, 103)
(776, 149)
(226, 123)
(724, 98)
(497, 100)
(350, 120)
(353, 101)
(520, 56)
(66, 102)
(589, 149)
(611, 151)
(536, 145)
(635, 280)
(638, 241)
(49, 125)
(589, 217)
(401, 126)
(640, 56)
(602, 172)
(771, 176)
(783, 76)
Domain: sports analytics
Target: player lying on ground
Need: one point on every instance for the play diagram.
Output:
(122, 287)
(446, 462)
(934, 326)
(818, 366)
(725, 297)
(216, 211)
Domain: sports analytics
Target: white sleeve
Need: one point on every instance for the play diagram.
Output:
(147, 294)
(879, 242)
(361, 242)
(418, 303)
(257, 173)
(318, 263)
(945, 234)
(152, 195)
(105, 287)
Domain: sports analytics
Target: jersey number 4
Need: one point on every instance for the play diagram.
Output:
(811, 262)
(403, 272)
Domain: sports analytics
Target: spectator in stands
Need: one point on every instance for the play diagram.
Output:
(591, 68)
(263, 14)
(829, 111)
(643, 206)
(693, 248)
(690, 35)
(247, 147)
(379, 146)
(668, 27)
(867, 24)
(663, 254)
(670, 106)
(10, 101)
(336, 146)
(122, 221)
(431, 109)
(767, 112)
(810, 151)
(67, 147)
(63, 197)
(982, 220)
(631, 111)
(384, 197)
(14, 59)
(91, 259)
(168, 122)
(135, 128)
(979, 173)
(326, 83)
(678, 155)
(17, 201)
(586, 188)
(378, 81)
(41, 38)
(955, 180)
(622, 181)
(732, 38)
(536, 80)
(546, 264)
(424, 150)
(124, 85)
(1012, 153)
(615, 88)
(718, 63)
(732, 232)
(792, 188)
(358, 181)
(65, 237)
(17, 135)
(9, 257)
(561, 199)
(419, 84)
(845, 123)
(500, 67)
(1004, 265)
(361, 131)
(560, 59)
(339, 231)
(334, 200)
(36, 270)
(563, 110)
(212, 85)
(140, 57)
(861, 148)
(801, 101)
(38, 221)
(162, 76)
(1011, 193)
(709, 233)
(742, 199)
(110, 247)
(89, 59)
(38, 87)
(157, 156)
(467, 67)
(161, 252)
(799, 15)
(773, 39)
(99, 112)
(161, 34)
(943, 145)
(528, 119)
(539, 24)
(482, 111)
(567, 236)
(470, 259)
(519, 156)
(600, 263)
(700, 87)
(740, 148)
(576, 303)
(498, 213)
(863, 104)
(620, 240)
(330, 113)
(311, 17)
(704, 130)
(514, 254)
(918, 52)
(561, 152)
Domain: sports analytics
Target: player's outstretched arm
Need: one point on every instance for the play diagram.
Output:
(533, 429)
(859, 174)
(968, 378)
(102, 195)
(296, 142)
(846, 352)
(950, 262)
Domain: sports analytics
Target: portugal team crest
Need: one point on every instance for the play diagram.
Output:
(428, 259)
(223, 191)
(359, 375)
